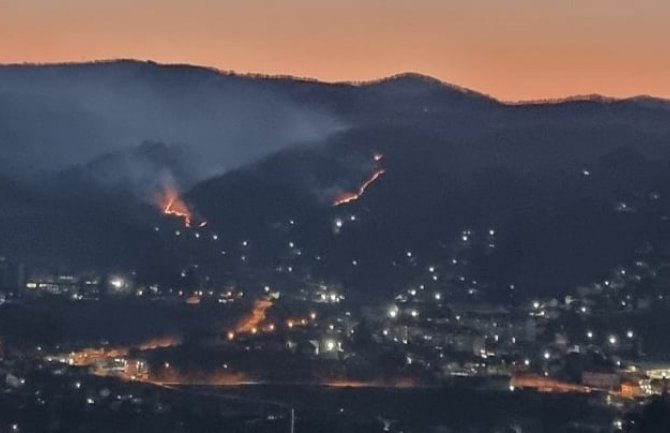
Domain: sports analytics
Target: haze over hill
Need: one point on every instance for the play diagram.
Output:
(569, 189)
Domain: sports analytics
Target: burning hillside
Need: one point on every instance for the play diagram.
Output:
(172, 205)
(348, 197)
(257, 316)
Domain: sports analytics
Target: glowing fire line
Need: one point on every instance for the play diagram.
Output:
(172, 210)
(172, 205)
(348, 197)
(255, 318)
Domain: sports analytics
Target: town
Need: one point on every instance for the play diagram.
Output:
(438, 333)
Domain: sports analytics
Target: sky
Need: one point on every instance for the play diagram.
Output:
(511, 49)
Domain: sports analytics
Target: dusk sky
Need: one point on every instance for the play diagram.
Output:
(512, 49)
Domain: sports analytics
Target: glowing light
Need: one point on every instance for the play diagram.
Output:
(172, 205)
(253, 320)
(630, 334)
(349, 197)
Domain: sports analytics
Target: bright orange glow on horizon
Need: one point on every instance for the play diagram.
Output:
(513, 49)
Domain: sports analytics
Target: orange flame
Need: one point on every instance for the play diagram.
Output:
(348, 197)
(253, 320)
(172, 205)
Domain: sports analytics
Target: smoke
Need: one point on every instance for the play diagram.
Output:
(53, 117)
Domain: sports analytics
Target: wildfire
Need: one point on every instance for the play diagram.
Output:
(160, 343)
(172, 205)
(252, 322)
(348, 197)
(88, 356)
(172, 377)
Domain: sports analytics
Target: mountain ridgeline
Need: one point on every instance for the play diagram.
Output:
(541, 197)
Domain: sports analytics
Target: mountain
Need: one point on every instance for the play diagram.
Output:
(48, 233)
(136, 174)
(554, 229)
(55, 116)
(541, 197)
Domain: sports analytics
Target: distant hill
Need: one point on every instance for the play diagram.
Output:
(541, 196)
(136, 173)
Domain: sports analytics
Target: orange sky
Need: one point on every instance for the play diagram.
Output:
(512, 49)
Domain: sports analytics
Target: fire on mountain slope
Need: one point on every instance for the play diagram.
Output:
(172, 205)
(348, 197)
